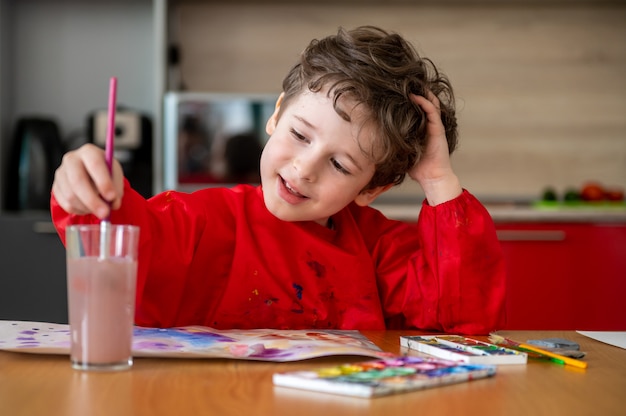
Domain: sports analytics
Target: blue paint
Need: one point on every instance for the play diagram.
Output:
(196, 337)
(298, 290)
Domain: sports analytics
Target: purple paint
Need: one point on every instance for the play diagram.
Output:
(29, 344)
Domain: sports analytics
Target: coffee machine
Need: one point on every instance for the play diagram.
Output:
(133, 144)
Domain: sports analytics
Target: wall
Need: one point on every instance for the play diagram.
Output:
(541, 89)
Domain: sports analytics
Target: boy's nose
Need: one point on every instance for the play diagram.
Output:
(305, 168)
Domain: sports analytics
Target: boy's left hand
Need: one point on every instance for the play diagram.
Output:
(434, 170)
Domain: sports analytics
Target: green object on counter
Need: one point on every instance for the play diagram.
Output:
(549, 194)
(571, 195)
(582, 205)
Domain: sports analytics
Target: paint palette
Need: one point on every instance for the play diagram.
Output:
(463, 349)
(383, 376)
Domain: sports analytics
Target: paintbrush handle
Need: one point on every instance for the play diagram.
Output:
(110, 133)
(566, 360)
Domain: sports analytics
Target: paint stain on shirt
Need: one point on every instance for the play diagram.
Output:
(296, 307)
(269, 301)
(317, 268)
(298, 289)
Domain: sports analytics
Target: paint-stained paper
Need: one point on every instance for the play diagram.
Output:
(200, 342)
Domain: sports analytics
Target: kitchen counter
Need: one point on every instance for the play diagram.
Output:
(522, 212)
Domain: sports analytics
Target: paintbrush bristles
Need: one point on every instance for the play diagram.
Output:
(500, 340)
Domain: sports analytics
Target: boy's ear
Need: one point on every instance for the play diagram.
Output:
(273, 120)
(368, 196)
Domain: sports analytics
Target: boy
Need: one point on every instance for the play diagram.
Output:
(304, 250)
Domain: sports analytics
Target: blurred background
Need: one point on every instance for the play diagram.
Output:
(540, 84)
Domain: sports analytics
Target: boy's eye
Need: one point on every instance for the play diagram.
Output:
(340, 168)
(298, 136)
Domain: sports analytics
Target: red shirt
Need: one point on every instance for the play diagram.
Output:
(219, 258)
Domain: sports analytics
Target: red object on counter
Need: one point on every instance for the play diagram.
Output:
(614, 194)
(592, 191)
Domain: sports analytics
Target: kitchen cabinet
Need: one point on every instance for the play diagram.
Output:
(565, 275)
(32, 277)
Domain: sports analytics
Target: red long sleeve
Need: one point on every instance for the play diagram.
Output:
(455, 281)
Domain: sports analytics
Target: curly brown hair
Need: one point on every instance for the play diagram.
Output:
(379, 70)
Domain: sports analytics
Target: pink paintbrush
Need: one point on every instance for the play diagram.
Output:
(105, 224)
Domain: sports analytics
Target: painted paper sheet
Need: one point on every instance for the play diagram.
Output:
(199, 342)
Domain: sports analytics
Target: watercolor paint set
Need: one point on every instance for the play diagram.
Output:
(462, 349)
(383, 377)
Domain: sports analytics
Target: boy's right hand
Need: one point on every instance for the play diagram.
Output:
(82, 184)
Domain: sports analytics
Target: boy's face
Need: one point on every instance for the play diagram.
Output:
(313, 164)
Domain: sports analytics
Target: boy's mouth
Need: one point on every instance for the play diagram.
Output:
(290, 189)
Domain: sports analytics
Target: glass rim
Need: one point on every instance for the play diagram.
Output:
(98, 225)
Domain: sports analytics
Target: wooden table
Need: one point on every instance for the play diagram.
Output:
(46, 385)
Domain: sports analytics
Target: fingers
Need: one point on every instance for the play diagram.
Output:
(433, 99)
(118, 183)
(82, 184)
(430, 104)
(431, 107)
(95, 166)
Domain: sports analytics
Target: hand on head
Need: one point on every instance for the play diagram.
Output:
(434, 170)
(82, 184)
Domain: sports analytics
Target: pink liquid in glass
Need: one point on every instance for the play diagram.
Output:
(101, 295)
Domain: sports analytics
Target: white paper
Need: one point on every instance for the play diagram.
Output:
(615, 338)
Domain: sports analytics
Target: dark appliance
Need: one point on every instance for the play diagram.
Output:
(133, 144)
(35, 154)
